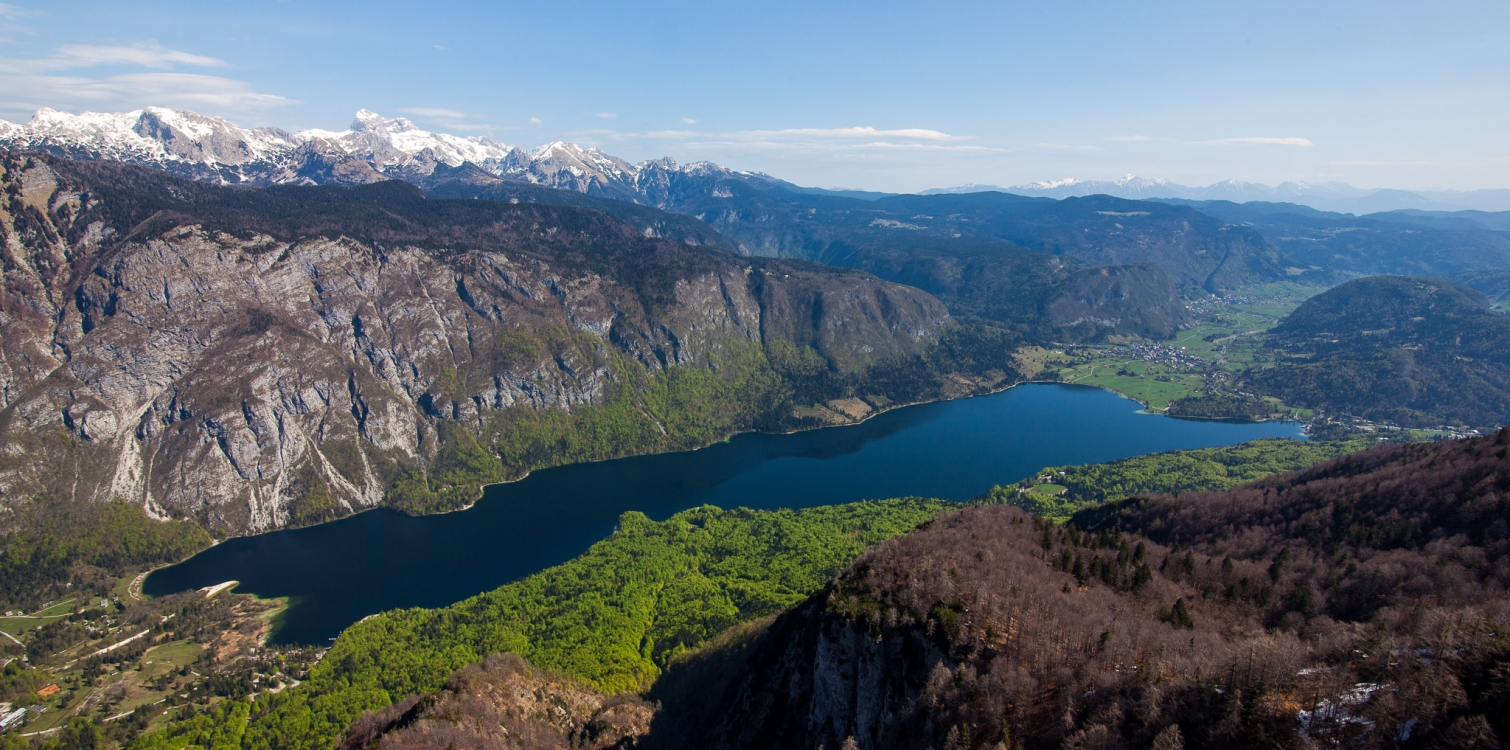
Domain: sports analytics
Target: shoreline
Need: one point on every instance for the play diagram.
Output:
(214, 541)
(482, 493)
(725, 439)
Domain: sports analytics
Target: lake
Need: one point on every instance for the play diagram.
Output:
(340, 572)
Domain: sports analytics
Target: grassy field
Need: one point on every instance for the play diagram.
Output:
(15, 625)
(1048, 488)
(1224, 342)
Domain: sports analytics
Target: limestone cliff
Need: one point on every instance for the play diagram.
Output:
(259, 357)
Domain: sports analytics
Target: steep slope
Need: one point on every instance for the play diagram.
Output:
(1198, 251)
(1409, 350)
(255, 358)
(1038, 294)
(1360, 602)
(1344, 246)
(768, 216)
(468, 182)
(505, 704)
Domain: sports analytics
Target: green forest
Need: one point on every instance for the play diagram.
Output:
(751, 388)
(1199, 470)
(614, 616)
(55, 546)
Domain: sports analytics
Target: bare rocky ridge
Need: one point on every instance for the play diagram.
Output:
(505, 704)
(228, 354)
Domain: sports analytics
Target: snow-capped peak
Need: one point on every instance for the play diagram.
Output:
(367, 121)
(1051, 184)
(373, 148)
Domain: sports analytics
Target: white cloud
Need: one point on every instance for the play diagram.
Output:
(1372, 163)
(448, 114)
(451, 119)
(811, 147)
(458, 121)
(688, 121)
(1129, 138)
(851, 133)
(149, 55)
(22, 94)
(8, 25)
(1060, 147)
(1301, 142)
(809, 141)
(605, 115)
(535, 121)
(28, 84)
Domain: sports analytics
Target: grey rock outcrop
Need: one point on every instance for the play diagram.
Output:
(192, 350)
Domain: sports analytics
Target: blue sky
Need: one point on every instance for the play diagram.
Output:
(886, 96)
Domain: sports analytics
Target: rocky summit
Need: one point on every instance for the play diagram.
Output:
(373, 148)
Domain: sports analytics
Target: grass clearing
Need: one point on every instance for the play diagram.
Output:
(17, 625)
(1226, 340)
(179, 654)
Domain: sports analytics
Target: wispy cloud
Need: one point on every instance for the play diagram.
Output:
(1301, 142)
(605, 115)
(20, 94)
(688, 121)
(57, 81)
(1129, 138)
(1060, 147)
(8, 25)
(148, 55)
(449, 114)
(852, 133)
(1373, 163)
(809, 140)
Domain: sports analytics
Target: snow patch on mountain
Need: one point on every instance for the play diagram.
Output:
(372, 148)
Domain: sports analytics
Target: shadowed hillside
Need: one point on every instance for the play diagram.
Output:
(1362, 602)
(1419, 352)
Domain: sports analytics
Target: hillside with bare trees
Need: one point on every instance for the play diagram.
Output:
(1362, 602)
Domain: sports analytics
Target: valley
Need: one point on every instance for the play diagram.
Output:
(465, 424)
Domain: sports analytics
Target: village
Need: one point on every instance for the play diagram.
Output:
(131, 662)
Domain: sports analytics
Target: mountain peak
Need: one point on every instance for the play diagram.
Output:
(367, 121)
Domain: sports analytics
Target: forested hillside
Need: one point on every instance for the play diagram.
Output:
(1059, 491)
(612, 618)
(1341, 246)
(1419, 352)
(1362, 602)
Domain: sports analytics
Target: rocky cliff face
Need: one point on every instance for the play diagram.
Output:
(255, 358)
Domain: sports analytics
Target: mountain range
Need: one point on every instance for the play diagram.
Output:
(374, 147)
(259, 358)
(186, 144)
(1325, 196)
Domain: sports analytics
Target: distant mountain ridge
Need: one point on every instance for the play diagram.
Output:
(1325, 196)
(199, 147)
(186, 144)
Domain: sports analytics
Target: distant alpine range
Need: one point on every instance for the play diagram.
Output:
(374, 148)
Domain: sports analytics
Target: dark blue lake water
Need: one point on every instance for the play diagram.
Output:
(340, 572)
